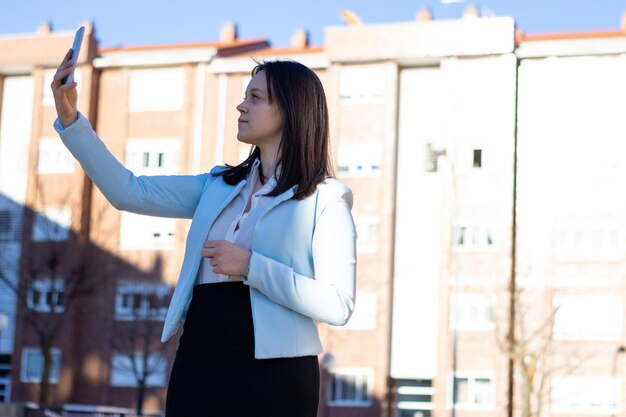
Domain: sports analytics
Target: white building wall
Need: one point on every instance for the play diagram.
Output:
(571, 170)
(462, 105)
(418, 235)
(15, 135)
(572, 214)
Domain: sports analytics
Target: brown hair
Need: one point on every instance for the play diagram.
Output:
(304, 154)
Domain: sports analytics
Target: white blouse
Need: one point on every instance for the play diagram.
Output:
(235, 226)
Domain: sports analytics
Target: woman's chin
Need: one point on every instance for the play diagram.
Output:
(243, 139)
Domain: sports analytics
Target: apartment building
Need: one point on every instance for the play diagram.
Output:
(571, 211)
(25, 133)
(477, 155)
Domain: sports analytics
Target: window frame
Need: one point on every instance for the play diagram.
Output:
(470, 301)
(58, 218)
(368, 156)
(485, 232)
(59, 289)
(614, 407)
(589, 332)
(162, 290)
(372, 243)
(365, 374)
(471, 376)
(128, 240)
(55, 369)
(170, 147)
(139, 80)
(55, 147)
(119, 381)
(353, 90)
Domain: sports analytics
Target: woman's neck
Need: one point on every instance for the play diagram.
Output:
(269, 158)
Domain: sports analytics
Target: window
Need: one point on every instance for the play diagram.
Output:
(472, 312)
(156, 90)
(141, 300)
(478, 158)
(350, 387)
(472, 392)
(415, 398)
(6, 225)
(52, 225)
(433, 152)
(364, 314)
(139, 232)
(32, 365)
(153, 157)
(588, 317)
(122, 374)
(358, 159)
(471, 157)
(588, 239)
(361, 83)
(473, 237)
(367, 234)
(586, 395)
(48, 97)
(54, 158)
(46, 295)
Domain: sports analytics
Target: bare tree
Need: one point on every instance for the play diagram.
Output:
(68, 277)
(534, 352)
(138, 341)
(62, 268)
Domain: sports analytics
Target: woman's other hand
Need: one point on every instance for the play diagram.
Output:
(227, 258)
(65, 96)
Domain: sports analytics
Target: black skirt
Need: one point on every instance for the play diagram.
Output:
(215, 373)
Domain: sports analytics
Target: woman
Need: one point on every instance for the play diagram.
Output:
(270, 251)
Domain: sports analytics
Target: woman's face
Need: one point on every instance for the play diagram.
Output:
(260, 122)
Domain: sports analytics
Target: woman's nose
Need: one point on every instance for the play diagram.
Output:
(241, 108)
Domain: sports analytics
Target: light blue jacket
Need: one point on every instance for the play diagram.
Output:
(287, 297)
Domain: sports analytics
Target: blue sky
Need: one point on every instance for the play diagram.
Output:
(138, 22)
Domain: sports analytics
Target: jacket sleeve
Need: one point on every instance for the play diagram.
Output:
(329, 296)
(164, 196)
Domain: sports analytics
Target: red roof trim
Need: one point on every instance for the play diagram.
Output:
(523, 37)
(283, 51)
(217, 44)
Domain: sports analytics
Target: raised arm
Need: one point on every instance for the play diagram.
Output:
(163, 196)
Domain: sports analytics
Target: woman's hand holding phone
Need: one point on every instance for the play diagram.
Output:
(63, 85)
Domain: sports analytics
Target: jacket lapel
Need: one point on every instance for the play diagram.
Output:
(214, 199)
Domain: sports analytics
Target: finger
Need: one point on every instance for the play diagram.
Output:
(62, 74)
(67, 87)
(68, 64)
(58, 78)
(210, 251)
(65, 66)
(67, 56)
(207, 253)
(211, 243)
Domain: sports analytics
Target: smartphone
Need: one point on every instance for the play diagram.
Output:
(78, 40)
